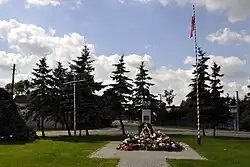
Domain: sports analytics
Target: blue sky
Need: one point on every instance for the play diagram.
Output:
(161, 31)
(124, 29)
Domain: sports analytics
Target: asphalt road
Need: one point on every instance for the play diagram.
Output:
(132, 128)
(209, 132)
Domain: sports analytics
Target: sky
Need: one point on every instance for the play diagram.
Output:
(153, 31)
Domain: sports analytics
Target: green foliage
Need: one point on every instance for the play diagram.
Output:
(219, 113)
(20, 88)
(120, 92)
(11, 123)
(204, 94)
(60, 96)
(169, 95)
(40, 100)
(88, 111)
(141, 90)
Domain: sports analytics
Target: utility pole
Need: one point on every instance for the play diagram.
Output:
(74, 85)
(238, 108)
(13, 81)
(74, 105)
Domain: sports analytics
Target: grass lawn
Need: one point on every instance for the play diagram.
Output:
(55, 152)
(73, 152)
(221, 152)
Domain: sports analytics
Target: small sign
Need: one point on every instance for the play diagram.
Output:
(146, 115)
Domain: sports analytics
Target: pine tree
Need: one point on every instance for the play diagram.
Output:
(87, 108)
(40, 99)
(204, 94)
(121, 90)
(141, 90)
(60, 96)
(220, 111)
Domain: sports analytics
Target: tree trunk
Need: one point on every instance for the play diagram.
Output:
(214, 131)
(67, 125)
(122, 125)
(42, 126)
(80, 130)
(203, 131)
(87, 131)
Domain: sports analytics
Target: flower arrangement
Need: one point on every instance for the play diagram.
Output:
(149, 140)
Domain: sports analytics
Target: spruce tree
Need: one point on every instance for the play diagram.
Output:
(204, 94)
(220, 112)
(40, 99)
(88, 111)
(141, 90)
(59, 79)
(120, 91)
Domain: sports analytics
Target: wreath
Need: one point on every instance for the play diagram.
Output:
(145, 128)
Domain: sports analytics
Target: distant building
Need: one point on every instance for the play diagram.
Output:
(22, 101)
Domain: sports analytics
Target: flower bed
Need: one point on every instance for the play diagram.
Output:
(155, 141)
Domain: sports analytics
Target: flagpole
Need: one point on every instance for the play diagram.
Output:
(197, 82)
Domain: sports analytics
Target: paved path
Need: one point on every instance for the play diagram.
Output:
(209, 132)
(143, 158)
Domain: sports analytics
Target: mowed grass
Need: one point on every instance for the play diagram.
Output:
(74, 152)
(55, 152)
(220, 152)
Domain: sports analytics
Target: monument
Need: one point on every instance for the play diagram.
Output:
(146, 113)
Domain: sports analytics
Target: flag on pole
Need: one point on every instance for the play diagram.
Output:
(192, 27)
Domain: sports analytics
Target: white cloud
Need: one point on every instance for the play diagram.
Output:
(231, 66)
(44, 2)
(224, 36)
(74, 3)
(235, 10)
(29, 42)
(2, 2)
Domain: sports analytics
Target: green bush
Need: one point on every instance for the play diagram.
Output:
(12, 124)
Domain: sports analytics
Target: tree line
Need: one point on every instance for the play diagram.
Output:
(50, 98)
(213, 103)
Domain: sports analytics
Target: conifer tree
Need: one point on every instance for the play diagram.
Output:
(204, 94)
(59, 79)
(142, 90)
(120, 91)
(40, 100)
(220, 112)
(87, 108)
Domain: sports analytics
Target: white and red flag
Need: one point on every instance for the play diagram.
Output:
(192, 30)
